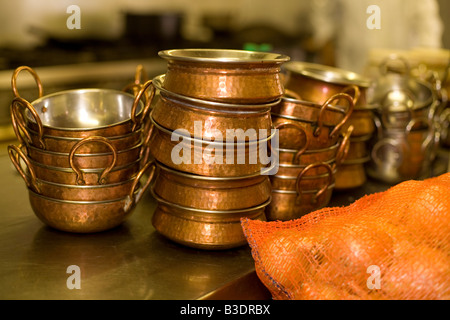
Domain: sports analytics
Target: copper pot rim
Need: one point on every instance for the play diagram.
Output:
(222, 56)
(313, 177)
(63, 138)
(209, 143)
(310, 151)
(289, 165)
(309, 191)
(205, 105)
(220, 212)
(327, 74)
(303, 103)
(193, 176)
(82, 202)
(97, 154)
(83, 170)
(52, 95)
(310, 122)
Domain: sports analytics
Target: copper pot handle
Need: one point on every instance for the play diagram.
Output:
(324, 188)
(30, 179)
(35, 76)
(140, 77)
(336, 129)
(134, 199)
(344, 147)
(430, 136)
(19, 122)
(102, 177)
(302, 130)
(137, 122)
(356, 92)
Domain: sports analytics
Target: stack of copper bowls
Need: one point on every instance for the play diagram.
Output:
(316, 83)
(311, 148)
(80, 155)
(206, 181)
(405, 117)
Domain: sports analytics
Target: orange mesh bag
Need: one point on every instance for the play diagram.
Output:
(391, 245)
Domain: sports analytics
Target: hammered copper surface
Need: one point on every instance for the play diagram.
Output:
(84, 160)
(173, 114)
(89, 176)
(235, 76)
(203, 230)
(316, 82)
(289, 205)
(290, 156)
(291, 138)
(211, 193)
(308, 182)
(330, 114)
(65, 144)
(217, 159)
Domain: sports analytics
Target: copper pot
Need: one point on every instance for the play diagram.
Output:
(292, 204)
(209, 158)
(308, 182)
(88, 176)
(203, 229)
(211, 193)
(316, 82)
(88, 216)
(362, 120)
(351, 174)
(233, 76)
(79, 113)
(326, 113)
(86, 160)
(205, 118)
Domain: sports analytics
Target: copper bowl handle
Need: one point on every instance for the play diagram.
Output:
(302, 130)
(344, 147)
(324, 188)
(356, 92)
(336, 97)
(35, 76)
(135, 198)
(105, 172)
(17, 120)
(137, 122)
(30, 179)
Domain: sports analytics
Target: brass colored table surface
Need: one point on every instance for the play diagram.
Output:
(131, 261)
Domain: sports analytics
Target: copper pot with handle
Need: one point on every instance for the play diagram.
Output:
(292, 204)
(76, 161)
(225, 75)
(209, 158)
(78, 113)
(206, 118)
(89, 216)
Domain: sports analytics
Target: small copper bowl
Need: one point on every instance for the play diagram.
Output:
(233, 76)
(204, 229)
(211, 193)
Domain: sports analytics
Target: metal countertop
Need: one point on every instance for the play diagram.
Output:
(131, 261)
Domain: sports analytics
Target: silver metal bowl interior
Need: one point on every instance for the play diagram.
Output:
(84, 108)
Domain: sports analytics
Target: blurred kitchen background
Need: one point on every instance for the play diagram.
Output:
(117, 35)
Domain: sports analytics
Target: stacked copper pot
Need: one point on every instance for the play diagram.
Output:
(315, 82)
(80, 155)
(206, 181)
(407, 133)
(315, 132)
